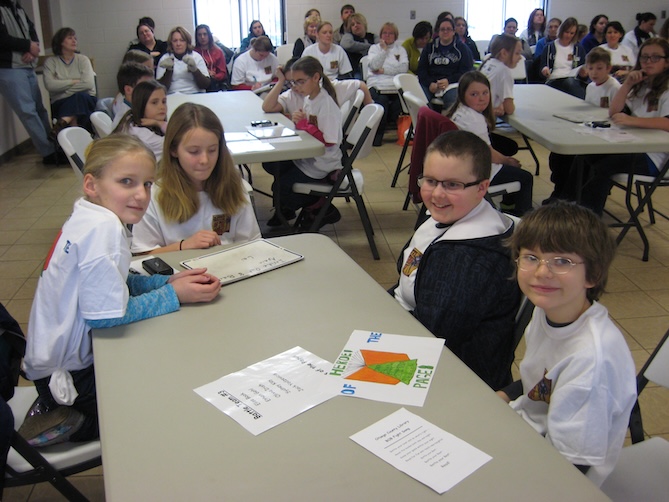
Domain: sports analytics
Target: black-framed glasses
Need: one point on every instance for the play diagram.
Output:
(655, 58)
(556, 265)
(448, 185)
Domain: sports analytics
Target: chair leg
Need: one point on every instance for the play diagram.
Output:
(50, 474)
(367, 225)
(399, 167)
(407, 199)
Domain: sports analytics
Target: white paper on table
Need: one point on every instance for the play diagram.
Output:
(272, 391)
(422, 450)
(238, 136)
(249, 146)
(611, 134)
(390, 368)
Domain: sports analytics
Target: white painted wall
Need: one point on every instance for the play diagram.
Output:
(105, 27)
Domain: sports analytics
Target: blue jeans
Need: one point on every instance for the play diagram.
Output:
(19, 88)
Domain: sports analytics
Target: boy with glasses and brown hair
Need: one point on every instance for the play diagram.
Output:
(454, 273)
(577, 384)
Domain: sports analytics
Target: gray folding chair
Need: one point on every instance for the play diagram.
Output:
(74, 141)
(642, 471)
(349, 182)
(102, 123)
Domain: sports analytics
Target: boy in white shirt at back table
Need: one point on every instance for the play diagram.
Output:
(578, 383)
(599, 92)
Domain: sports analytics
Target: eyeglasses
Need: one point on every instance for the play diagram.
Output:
(557, 265)
(655, 58)
(446, 30)
(449, 186)
(299, 81)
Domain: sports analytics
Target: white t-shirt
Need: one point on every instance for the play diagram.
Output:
(482, 221)
(602, 95)
(335, 62)
(641, 108)
(564, 59)
(468, 119)
(155, 231)
(622, 56)
(248, 71)
(182, 80)
(630, 41)
(394, 60)
(85, 278)
(152, 140)
(579, 387)
(324, 114)
(344, 89)
(501, 80)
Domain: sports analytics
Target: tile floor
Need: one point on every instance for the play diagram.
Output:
(35, 200)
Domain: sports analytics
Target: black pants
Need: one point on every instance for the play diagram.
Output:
(86, 402)
(392, 109)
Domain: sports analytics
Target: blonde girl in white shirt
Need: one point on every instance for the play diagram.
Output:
(199, 200)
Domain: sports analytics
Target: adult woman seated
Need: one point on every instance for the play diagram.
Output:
(213, 57)
(357, 42)
(421, 35)
(560, 57)
(443, 61)
(597, 34)
(386, 59)
(511, 28)
(462, 33)
(148, 42)
(256, 67)
(643, 31)
(536, 26)
(181, 69)
(310, 35)
(70, 80)
(332, 57)
(622, 57)
(255, 30)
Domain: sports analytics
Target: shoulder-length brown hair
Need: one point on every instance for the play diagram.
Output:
(178, 198)
(185, 34)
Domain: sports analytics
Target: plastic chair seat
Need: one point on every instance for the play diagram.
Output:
(60, 456)
(641, 474)
(504, 188)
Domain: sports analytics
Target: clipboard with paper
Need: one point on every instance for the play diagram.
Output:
(244, 261)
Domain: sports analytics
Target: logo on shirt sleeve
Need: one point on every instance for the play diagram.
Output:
(412, 262)
(542, 390)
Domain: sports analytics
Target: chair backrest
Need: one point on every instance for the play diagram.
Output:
(482, 46)
(363, 131)
(520, 71)
(430, 124)
(284, 53)
(105, 105)
(74, 141)
(351, 111)
(414, 104)
(406, 82)
(364, 67)
(102, 123)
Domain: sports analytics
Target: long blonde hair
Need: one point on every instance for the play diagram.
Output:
(178, 198)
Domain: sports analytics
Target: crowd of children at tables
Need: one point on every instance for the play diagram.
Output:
(577, 384)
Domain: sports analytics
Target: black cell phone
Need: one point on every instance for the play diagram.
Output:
(601, 123)
(261, 123)
(157, 266)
